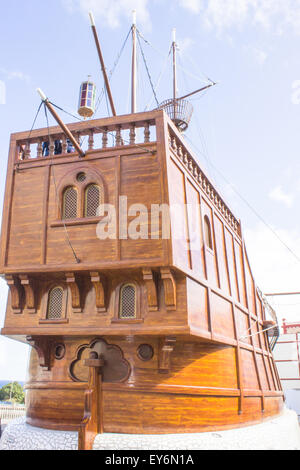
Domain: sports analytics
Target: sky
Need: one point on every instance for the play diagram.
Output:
(245, 130)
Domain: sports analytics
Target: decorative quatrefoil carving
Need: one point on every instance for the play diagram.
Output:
(116, 369)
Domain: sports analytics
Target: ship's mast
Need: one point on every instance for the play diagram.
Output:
(106, 82)
(174, 47)
(133, 73)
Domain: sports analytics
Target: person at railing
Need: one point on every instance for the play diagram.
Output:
(70, 148)
(57, 147)
(45, 149)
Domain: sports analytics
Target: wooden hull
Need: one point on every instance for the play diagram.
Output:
(200, 392)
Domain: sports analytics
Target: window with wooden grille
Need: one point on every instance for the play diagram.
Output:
(207, 233)
(70, 203)
(55, 303)
(127, 306)
(93, 199)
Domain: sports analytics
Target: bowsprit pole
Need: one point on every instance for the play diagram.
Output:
(64, 128)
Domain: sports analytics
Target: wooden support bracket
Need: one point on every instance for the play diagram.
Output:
(151, 289)
(27, 283)
(99, 286)
(75, 292)
(166, 348)
(43, 347)
(169, 288)
(16, 292)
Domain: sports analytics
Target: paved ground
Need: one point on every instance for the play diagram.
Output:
(281, 433)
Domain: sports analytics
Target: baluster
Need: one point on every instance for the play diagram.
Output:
(64, 145)
(51, 147)
(118, 137)
(190, 165)
(91, 139)
(173, 144)
(185, 158)
(39, 150)
(147, 132)
(132, 135)
(27, 150)
(180, 152)
(104, 138)
(195, 172)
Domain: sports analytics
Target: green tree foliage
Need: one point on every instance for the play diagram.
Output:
(12, 392)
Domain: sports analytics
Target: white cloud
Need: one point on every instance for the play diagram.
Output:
(194, 6)
(259, 55)
(225, 14)
(112, 12)
(14, 74)
(184, 44)
(278, 194)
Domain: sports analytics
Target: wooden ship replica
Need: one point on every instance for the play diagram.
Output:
(147, 335)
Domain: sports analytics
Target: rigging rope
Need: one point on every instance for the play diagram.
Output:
(112, 70)
(39, 108)
(147, 69)
(252, 209)
(56, 192)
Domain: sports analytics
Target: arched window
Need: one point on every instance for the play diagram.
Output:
(55, 303)
(207, 233)
(70, 203)
(127, 306)
(93, 198)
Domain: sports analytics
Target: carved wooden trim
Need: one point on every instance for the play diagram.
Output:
(169, 288)
(116, 368)
(99, 286)
(166, 348)
(75, 292)
(151, 289)
(16, 293)
(28, 285)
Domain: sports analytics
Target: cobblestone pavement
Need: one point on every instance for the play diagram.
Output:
(281, 433)
(21, 436)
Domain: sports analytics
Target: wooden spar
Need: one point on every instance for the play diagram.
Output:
(133, 66)
(64, 128)
(196, 91)
(107, 86)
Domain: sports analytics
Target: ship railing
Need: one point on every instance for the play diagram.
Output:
(185, 156)
(100, 134)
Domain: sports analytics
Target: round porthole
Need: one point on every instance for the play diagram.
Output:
(81, 177)
(59, 351)
(145, 352)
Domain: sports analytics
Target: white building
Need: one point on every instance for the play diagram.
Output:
(287, 358)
